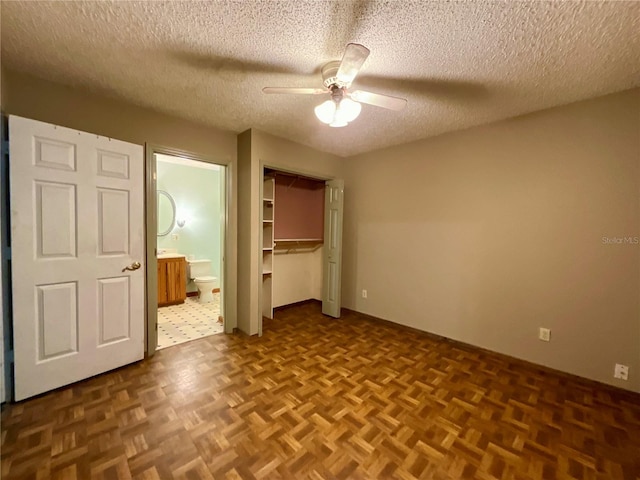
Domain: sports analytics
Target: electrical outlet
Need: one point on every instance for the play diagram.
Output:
(621, 372)
(545, 334)
(364, 294)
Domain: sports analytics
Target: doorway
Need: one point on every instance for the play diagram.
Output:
(185, 250)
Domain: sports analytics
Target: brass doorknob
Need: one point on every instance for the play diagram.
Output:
(133, 266)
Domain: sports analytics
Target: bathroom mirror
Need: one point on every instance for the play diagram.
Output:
(166, 213)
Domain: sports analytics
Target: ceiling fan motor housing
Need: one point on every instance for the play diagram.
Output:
(329, 75)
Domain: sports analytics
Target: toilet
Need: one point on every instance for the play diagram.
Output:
(200, 272)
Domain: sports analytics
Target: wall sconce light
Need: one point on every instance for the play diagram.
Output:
(183, 216)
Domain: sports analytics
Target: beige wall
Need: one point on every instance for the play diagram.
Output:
(488, 234)
(41, 100)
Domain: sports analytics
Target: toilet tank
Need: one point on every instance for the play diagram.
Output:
(198, 268)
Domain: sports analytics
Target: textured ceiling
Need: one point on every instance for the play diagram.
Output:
(459, 64)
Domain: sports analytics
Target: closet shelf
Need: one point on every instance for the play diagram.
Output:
(298, 240)
(267, 200)
(267, 221)
(266, 272)
(267, 249)
(306, 244)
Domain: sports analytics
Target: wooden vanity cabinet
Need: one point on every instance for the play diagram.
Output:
(172, 284)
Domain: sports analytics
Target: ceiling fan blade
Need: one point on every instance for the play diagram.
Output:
(295, 91)
(353, 58)
(384, 101)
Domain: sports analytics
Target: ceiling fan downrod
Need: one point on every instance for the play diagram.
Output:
(337, 93)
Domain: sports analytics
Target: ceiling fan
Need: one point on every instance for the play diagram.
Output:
(344, 106)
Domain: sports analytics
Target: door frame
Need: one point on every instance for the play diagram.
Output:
(6, 300)
(292, 171)
(151, 221)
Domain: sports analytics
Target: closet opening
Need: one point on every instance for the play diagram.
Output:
(300, 239)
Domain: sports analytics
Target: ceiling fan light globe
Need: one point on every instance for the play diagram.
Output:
(348, 110)
(326, 111)
(338, 123)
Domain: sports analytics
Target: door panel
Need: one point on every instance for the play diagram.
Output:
(77, 219)
(57, 320)
(162, 282)
(55, 220)
(54, 154)
(171, 284)
(113, 222)
(114, 322)
(113, 164)
(331, 282)
(176, 285)
(181, 292)
(331, 297)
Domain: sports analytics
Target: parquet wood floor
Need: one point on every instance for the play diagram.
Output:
(319, 398)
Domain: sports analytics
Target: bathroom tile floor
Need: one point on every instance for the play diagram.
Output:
(188, 321)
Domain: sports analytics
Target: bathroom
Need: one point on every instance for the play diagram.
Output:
(191, 207)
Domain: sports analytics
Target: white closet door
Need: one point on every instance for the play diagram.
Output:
(77, 219)
(333, 206)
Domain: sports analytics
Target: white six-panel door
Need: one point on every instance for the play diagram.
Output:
(77, 220)
(332, 269)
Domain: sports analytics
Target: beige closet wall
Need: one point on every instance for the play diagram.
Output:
(485, 235)
(248, 235)
(285, 155)
(39, 99)
(298, 275)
